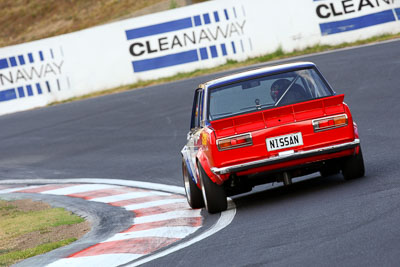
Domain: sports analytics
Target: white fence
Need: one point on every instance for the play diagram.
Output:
(180, 40)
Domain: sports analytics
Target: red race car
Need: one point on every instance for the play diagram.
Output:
(266, 125)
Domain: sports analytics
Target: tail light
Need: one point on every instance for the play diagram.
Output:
(330, 123)
(234, 142)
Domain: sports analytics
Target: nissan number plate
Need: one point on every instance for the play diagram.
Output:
(284, 141)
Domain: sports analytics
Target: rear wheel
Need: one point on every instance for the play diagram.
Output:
(214, 195)
(353, 167)
(193, 193)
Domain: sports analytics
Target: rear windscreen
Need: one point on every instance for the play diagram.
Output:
(266, 92)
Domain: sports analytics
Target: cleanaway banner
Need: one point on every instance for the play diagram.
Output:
(180, 40)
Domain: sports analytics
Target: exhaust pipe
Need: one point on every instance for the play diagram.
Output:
(287, 180)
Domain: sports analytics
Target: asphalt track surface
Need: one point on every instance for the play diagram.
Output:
(138, 135)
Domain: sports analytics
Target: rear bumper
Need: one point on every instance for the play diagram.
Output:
(285, 158)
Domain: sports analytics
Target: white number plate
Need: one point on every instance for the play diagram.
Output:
(284, 141)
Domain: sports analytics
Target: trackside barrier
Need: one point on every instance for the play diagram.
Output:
(180, 40)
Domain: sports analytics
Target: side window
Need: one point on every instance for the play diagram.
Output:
(200, 111)
(197, 109)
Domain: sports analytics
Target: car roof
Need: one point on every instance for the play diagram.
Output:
(257, 72)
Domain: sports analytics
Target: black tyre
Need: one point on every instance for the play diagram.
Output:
(353, 167)
(214, 195)
(193, 193)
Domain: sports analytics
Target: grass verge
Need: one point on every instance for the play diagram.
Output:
(10, 258)
(232, 64)
(29, 228)
(15, 223)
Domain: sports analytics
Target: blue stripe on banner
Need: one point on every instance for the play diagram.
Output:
(233, 47)
(214, 52)
(203, 53)
(7, 95)
(29, 89)
(13, 61)
(165, 61)
(3, 63)
(169, 26)
(51, 53)
(206, 18)
(216, 16)
(21, 92)
(234, 12)
(223, 48)
(197, 20)
(39, 89)
(357, 23)
(397, 10)
(30, 57)
(226, 14)
(21, 60)
(41, 55)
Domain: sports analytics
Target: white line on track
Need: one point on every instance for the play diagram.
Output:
(126, 196)
(167, 216)
(154, 203)
(10, 190)
(76, 189)
(168, 232)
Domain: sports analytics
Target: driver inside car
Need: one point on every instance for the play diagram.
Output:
(278, 88)
(295, 93)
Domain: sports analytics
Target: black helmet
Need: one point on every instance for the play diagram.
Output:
(278, 88)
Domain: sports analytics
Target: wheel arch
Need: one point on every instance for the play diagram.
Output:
(203, 161)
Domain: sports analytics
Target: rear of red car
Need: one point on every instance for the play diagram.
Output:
(273, 126)
(275, 139)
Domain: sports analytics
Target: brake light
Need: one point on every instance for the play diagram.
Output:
(234, 142)
(330, 123)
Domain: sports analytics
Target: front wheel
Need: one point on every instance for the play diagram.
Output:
(193, 193)
(214, 195)
(353, 167)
